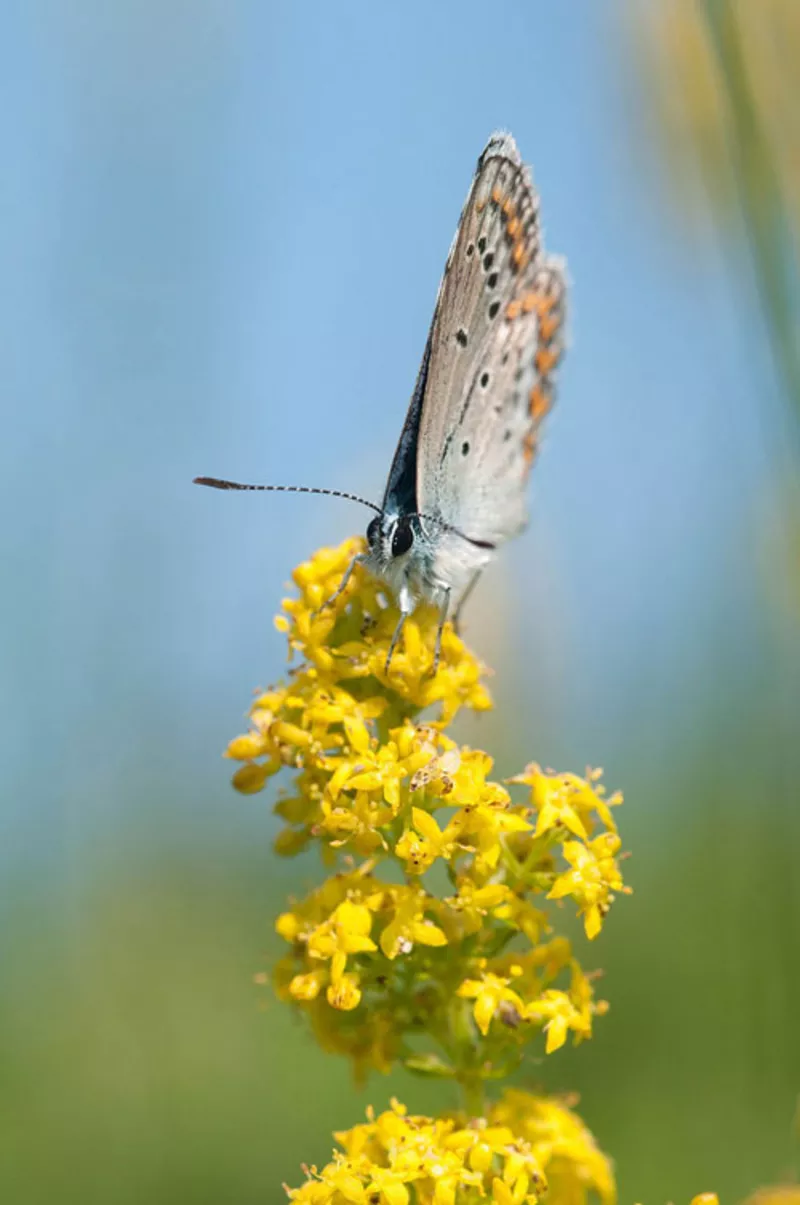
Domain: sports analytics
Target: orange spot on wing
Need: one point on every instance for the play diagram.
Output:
(548, 325)
(513, 311)
(497, 195)
(543, 303)
(529, 448)
(546, 359)
(514, 227)
(539, 402)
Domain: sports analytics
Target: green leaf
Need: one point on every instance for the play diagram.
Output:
(430, 1065)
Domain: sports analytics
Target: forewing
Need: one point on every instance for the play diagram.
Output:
(484, 462)
(495, 342)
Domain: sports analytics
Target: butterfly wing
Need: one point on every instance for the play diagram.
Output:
(495, 342)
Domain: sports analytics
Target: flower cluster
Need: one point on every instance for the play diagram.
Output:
(525, 1146)
(431, 943)
(472, 966)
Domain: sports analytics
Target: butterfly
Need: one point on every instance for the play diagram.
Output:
(457, 485)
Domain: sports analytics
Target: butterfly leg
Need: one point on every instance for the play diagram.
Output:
(471, 586)
(405, 601)
(395, 637)
(348, 573)
(443, 609)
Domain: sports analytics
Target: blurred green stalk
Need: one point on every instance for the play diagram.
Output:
(767, 225)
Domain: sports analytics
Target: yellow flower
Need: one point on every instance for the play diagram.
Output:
(343, 991)
(770, 1194)
(333, 923)
(522, 915)
(420, 846)
(567, 800)
(560, 1014)
(525, 1144)
(308, 986)
(564, 1147)
(490, 992)
(409, 926)
(345, 932)
(593, 877)
(503, 1195)
(388, 1187)
(485, 826)
(470, 907)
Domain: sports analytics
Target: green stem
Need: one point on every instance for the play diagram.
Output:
(760, 194)
(472, 1089)
(464, 1054)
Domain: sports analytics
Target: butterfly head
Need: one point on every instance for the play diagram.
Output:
(390, 538)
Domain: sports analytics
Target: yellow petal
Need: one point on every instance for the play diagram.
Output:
(445, 1191)
(290, 734)
(394, 1192)
(572, 820)
(353, 918)
(366, 780)
(353, 943)
(338, 779)
(250, 778)
(305, 987)
(424, 823)
(288, 926)
(338, 963)
(548, 817)
(357, 734)
(412, 642)
(501, 1193)
(389, 941)
(243, 748)
(556, 1034)
(480, 1157)
(484, 1011)
(562, 886)
(350, 1187)
(592, 922)
(344, 995)
(428, 934)
(511, 823)
(470, 988)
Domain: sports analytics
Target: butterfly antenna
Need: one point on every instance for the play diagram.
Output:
(456, 531)
(216, 483)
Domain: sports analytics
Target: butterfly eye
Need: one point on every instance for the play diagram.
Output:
(373, 531)
(402, 539)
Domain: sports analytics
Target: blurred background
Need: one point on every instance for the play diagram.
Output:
(223, 225)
